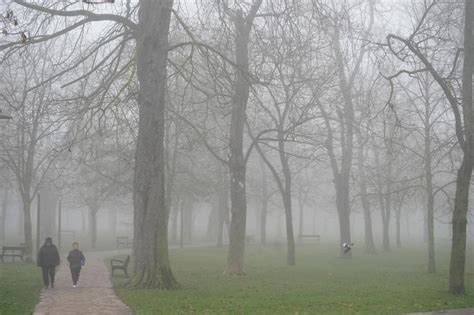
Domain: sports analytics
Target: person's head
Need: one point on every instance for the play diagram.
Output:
(75, 245)
(48, 241)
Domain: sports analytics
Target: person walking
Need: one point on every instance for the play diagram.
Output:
(48, 260)
(76, 261)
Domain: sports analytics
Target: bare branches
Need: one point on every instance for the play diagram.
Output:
(450, 96)
(88, 14)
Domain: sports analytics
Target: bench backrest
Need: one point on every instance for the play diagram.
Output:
(14, 249)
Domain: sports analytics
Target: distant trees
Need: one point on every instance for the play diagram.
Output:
(38, 134)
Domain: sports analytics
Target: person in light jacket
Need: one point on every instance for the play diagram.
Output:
(76, 261)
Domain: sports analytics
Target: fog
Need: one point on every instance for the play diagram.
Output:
(238, 124)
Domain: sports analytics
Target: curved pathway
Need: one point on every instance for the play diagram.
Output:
(94, 294)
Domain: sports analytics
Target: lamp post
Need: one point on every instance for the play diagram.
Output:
(3, 120)
(59, 225)
(38, 215)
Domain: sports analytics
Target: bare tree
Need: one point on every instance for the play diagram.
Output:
(462, 110)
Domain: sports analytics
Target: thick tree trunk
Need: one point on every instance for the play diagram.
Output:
(458, 249)
(290, 240)
(150, 251)
(287, 202)
(241, 87)
(27, 229)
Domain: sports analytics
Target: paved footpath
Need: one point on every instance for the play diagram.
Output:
(465, 311)
(94, 294)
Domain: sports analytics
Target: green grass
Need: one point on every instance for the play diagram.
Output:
(20, 285)
(320, 283)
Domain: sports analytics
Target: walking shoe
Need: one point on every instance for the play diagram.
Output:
(73, 285)
(46, 286)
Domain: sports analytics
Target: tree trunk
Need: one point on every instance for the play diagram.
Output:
(27, 230)
(386, 223)
(223, 207)
(343, 211)
(113, 222)
(430, 221)
(368, 234)
(21, 219)
(150, 250)
(458, 249)
(301, 217)
(212, 222)
(187, 219)
(93, 226)
(241, 87)
(384, 201)
(264, 205)
(290, 238)
(83, 220)
(398, 214)
(425, 227)
(5, 200)
(174, 223)
(429, 176)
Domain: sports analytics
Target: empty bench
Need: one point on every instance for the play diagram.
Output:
(313, 236)
(120, 265)
(13, 252)
(123, 242)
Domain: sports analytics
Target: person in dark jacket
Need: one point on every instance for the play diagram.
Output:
(48, 260)
(76, 261)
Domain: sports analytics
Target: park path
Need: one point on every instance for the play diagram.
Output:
(94, 294)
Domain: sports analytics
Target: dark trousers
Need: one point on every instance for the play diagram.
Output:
(48, 275)
(75, 274)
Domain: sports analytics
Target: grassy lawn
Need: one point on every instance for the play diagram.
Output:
(320, 283)
(20, 285)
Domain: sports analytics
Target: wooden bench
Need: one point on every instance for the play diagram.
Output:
(315, 236)
(123, 242)
(12, 251)
(120, 265)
